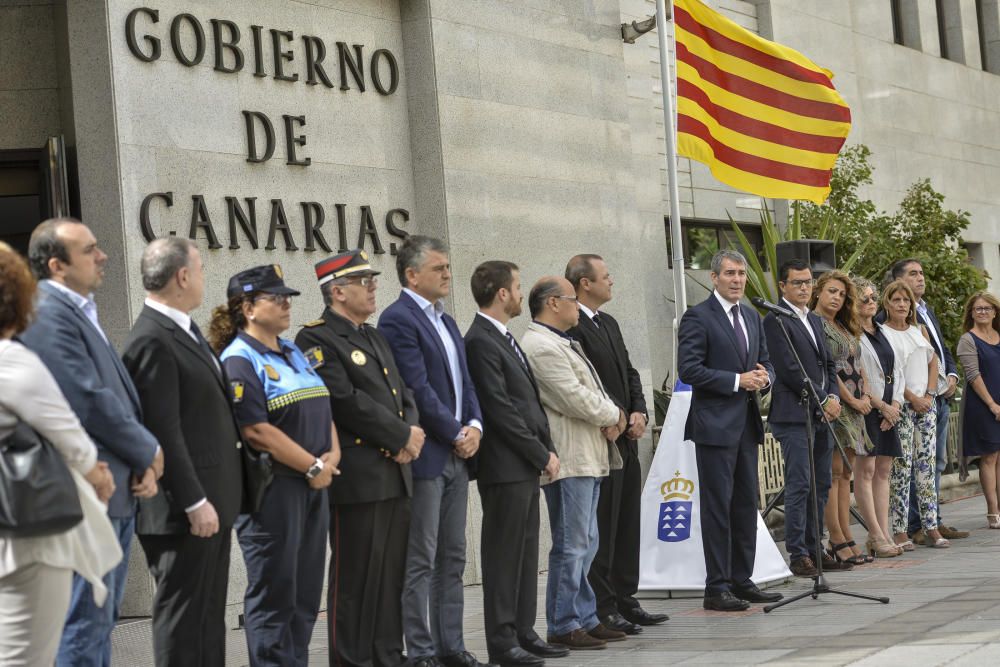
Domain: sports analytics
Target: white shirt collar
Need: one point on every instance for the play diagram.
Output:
(502, 328)
(437, 307)
(180, 318)
(803, 313)
(80, 300)
(726, 304)
(586, 311)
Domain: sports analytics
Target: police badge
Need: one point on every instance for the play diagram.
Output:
(237, 391)
(359, 358)
(314, 355)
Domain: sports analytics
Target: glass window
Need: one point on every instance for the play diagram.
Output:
(703, 238)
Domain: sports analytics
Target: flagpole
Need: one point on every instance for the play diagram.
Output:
(669, 124)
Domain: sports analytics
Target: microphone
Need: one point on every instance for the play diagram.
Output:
(767, 305)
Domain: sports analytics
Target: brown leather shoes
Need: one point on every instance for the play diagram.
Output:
(803, 567)
(577, 640)
(952, 533)
(603, 633)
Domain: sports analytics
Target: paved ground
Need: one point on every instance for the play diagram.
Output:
(944, 610)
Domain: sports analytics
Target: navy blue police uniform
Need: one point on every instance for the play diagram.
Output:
(284, 540)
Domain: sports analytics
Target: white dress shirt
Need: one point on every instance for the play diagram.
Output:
(728, 306)
(84, 303)
(803, 315)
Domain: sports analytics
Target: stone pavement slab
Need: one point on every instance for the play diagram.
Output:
(944, 610)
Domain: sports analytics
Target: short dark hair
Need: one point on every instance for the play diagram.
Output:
(580, 267)
(46, 244)
(489, 278)
(899, 268)
(162, 259)
(411, 255)
(794, 264)
(540, 293)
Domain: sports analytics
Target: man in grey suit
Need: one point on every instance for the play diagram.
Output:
(66, 334)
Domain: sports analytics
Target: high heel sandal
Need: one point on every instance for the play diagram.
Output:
(993, 520)
(939, 543)
(906, 545)
(882, 549)
(852, 559)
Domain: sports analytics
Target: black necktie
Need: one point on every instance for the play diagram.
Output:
(741, 337)
(596, 319)
(203, 344)
(517, 349)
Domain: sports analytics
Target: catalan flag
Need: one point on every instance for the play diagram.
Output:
(763, 117)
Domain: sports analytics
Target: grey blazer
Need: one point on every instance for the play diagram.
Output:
(97, 387)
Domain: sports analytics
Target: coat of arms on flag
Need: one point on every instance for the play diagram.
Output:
(675, 510)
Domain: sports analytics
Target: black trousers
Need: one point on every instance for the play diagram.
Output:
(728, 478)
(510, 562)
(368, 559)
(614, 574)
(189, 607)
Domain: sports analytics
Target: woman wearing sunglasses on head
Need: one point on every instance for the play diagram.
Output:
(283, 409)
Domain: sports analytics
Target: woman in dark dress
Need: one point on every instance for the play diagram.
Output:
(979, 354)
(871, 475)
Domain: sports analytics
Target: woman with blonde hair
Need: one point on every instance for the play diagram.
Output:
(917, 427)
(979, 353)
(834, 300)
(885, 390)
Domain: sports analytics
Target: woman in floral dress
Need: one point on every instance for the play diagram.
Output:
(835, 301)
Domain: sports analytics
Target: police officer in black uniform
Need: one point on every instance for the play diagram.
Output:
(376, 420)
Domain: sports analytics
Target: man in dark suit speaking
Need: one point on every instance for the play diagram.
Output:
(721, 353)
(186, 530)
(516, 449)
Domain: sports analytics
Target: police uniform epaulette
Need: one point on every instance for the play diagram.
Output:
(314, 323)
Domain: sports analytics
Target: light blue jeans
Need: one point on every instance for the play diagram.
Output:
(86, 639)
(570, 603)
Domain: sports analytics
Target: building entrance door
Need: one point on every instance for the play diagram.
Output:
(33, 187)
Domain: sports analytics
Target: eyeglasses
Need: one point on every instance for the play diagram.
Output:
(799, 284)
(365, 281)
(277, 299)
(983, 309)
(869, 299)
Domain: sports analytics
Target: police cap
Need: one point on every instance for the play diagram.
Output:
(267, 278)
(350, 263)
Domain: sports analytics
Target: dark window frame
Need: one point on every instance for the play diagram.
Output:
(724, 232)
(897, 22)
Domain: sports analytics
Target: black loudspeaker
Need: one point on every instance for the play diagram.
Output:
(821, 256)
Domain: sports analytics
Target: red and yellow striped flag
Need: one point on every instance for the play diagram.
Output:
(763, 117)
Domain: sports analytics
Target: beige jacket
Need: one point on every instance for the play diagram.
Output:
(575, 402)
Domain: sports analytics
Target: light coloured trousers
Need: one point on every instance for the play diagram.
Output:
(33, 605)
(917, 433)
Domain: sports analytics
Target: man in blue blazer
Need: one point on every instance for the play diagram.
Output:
(430, 354)
(721, 353)
(66, 334)
(788, 414)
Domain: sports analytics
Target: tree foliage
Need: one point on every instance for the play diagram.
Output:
(921, 227)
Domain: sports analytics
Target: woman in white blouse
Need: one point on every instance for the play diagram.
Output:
(918, 424)
(36, 572)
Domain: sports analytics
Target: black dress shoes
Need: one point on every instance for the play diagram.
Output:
(725, 601)
(543, 650)
(517, 656)
(617, 622)
(424, 662)
(751, 593)
(463, 659)
(640, 616)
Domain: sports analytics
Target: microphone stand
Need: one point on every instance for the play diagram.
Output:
(809, 396)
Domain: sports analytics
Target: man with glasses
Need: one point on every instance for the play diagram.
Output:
(911, 272)
(584, 423)
(788, 415)
(376, 420)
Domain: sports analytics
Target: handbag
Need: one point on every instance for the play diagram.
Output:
(38, 495)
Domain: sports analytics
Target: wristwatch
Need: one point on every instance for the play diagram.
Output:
(314, 469)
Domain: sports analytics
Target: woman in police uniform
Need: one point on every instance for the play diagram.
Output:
(283, 409)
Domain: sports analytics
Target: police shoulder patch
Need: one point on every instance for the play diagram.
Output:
(237, 391)
(314, 355)
(314, 323)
